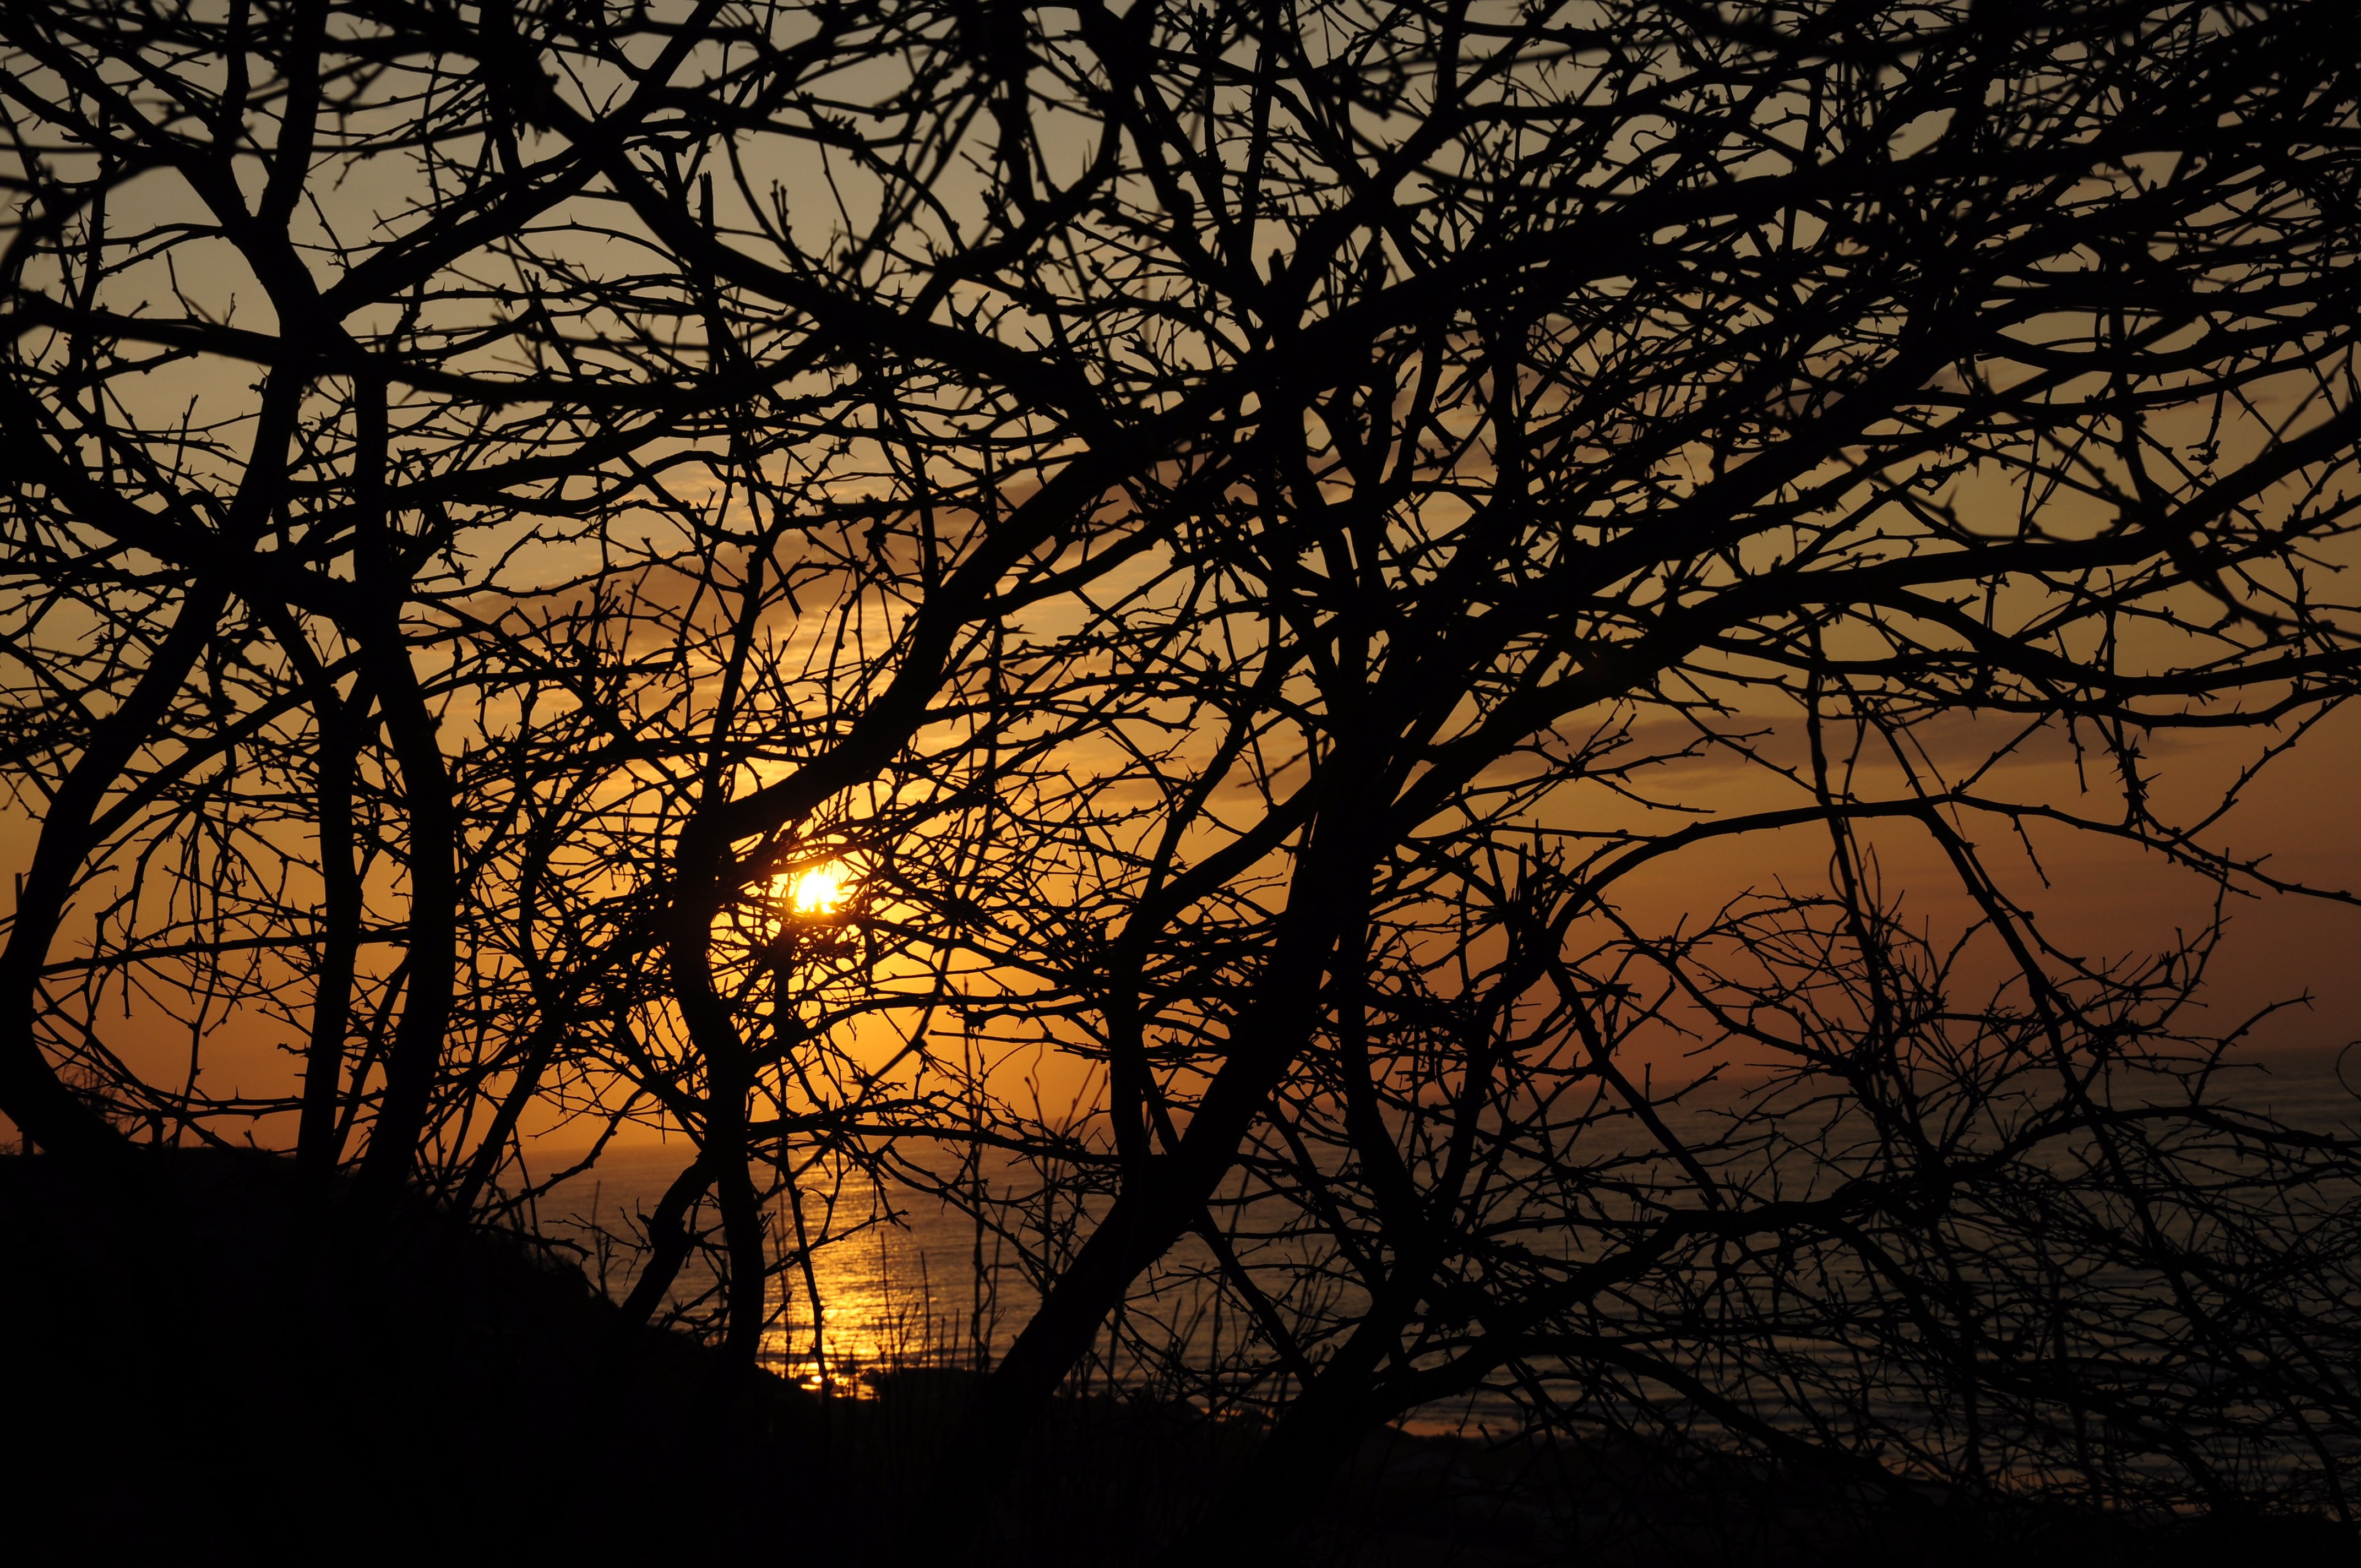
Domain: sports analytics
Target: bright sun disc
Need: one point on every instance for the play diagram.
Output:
(817, 890)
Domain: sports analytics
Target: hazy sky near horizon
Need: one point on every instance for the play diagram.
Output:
(2103, 901)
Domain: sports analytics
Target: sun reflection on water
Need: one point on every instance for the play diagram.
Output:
(895, 1295)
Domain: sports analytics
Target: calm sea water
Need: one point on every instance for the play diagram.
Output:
(904, 1278)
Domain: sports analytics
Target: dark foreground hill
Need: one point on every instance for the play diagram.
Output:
(240, 1368)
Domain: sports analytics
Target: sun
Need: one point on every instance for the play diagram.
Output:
(818, 890)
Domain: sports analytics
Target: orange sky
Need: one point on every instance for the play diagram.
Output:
(2104, 899)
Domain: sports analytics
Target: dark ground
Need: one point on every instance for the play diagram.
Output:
(250, 1371)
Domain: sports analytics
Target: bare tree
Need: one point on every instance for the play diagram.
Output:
(1217, 537)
